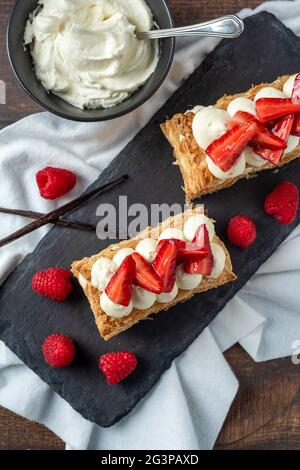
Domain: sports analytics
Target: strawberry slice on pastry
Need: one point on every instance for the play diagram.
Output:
(227, 149)
(283, 130)
(296, 126)
(145, 276)
(165, 263)
(187, 251)
(203, 266)
(286, 125)
(263, 136)
(271, 109)
(119, 289)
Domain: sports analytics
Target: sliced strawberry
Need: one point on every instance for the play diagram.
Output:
(119, 289)
(205, 265)
(266, 139)
(263, 136)
(269, 109)
(226, 150)
(187, 252)
(165, 263)
(145, 276)
(296, 126)
(282, 129)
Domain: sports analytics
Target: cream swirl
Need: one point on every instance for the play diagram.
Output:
(86, 51)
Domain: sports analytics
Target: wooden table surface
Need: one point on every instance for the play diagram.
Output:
(266, 411)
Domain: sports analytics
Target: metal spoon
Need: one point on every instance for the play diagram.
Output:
(230, 26)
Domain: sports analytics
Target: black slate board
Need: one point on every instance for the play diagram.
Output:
(266, 49)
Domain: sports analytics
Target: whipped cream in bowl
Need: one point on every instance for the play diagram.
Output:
(89, 64)
(87, 53)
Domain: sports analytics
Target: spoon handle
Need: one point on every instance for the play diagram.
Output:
(230, 26)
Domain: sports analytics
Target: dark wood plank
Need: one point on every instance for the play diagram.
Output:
(17, 433)
(266, 412)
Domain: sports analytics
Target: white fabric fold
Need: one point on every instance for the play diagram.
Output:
(187, 407)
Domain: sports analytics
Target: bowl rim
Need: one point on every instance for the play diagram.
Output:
(69, 117)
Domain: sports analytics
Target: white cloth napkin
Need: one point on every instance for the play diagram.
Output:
(195, 394)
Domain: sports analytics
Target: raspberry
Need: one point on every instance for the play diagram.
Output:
(58, 350)
(283, 203)
(117, 366)
(241, 231)
(53, 283)
(55, 182)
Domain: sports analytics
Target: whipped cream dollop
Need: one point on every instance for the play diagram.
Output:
(186, 281)
(269, 92)
(102, 271)
(172, 233)
(194, 222)
(147, 249)
(142, 298)
(86, 51)
(112, 309)
(219, 260)
(241, 104)
(236, 170)
(292, 143)
(253, 159)
(121, 255)
(166, 297)
(209, 124)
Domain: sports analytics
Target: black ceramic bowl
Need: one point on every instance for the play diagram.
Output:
(22, 65)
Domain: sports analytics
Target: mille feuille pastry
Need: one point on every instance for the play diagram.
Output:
(129, 281)
(239, 136)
